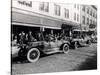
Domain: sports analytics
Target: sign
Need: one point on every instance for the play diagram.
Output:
(26, 3)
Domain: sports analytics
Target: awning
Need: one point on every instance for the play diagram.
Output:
(70, 24)
(34, 21)
(79, 30)
(33, 25)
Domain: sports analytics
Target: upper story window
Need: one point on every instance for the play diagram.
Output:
(90, 21)
(75, 16)
(83, 8)
(94, 22)
(44, 6)
(83, 19)
(74, 5)
(78, 6)
(88, 10)
(96, 16)
(91, 12)
(87, 20)
(66, 13)
(57, 9)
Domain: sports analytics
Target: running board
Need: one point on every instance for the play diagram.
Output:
(52, 51)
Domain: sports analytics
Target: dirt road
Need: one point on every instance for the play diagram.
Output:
(59, 62)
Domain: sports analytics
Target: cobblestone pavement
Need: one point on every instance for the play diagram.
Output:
(58, 62)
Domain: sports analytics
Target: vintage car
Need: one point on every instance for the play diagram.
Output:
(32, 50)
(78, 40)
(94, 38)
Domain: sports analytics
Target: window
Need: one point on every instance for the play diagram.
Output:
(78, 6)
(66, 13)
(57, 10)
(94, 22)
(95, 15)
(90, 21)
(91, 13)
(44, 6)
(87, 20)
(84, 28)
(83, 8)
(74, 5)
(75, 16)
(83, 19)
(88, 10)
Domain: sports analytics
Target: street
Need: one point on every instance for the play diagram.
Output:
(78, 59)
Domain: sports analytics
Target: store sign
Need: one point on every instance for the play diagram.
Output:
(26, 3)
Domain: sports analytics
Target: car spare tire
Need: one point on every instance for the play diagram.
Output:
(33, 55)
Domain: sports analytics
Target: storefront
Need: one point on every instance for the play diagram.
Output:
(26, 22)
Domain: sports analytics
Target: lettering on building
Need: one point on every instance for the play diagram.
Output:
(26, 3)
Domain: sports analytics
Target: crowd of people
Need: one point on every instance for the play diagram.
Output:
(24, 38)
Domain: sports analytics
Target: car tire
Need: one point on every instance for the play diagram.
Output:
(65, 48)
(33, 55)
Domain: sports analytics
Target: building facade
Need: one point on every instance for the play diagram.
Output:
(51, 16)
(88, 17)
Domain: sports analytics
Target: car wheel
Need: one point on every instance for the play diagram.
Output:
(65, 48)
(33, 55)
(75, 45)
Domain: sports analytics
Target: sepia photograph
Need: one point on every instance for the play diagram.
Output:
(52, 37)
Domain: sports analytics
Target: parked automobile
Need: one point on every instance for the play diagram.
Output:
(78, 40)
(32, 50)
(94, 39)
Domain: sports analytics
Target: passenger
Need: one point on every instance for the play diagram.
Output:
(14, 41)
(47, 37)
(22, 38)
(51, 36)
(30, 37)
